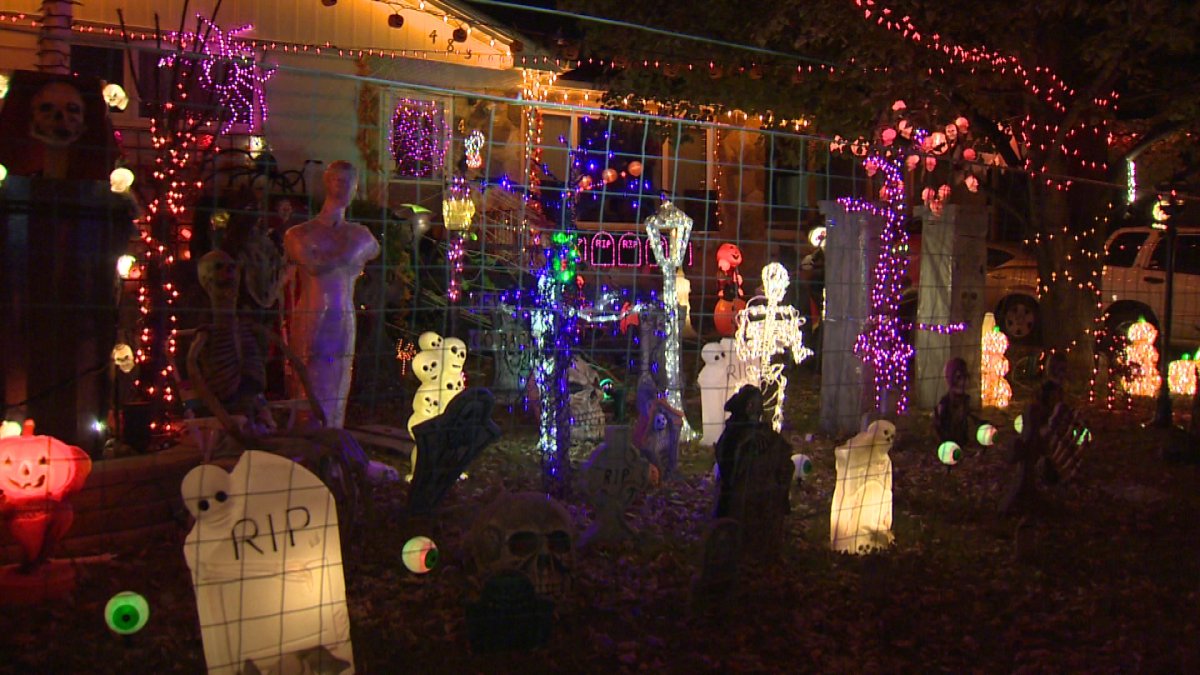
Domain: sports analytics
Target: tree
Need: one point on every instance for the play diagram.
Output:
(1044, 81)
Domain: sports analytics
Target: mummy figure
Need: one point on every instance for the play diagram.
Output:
(767, 328)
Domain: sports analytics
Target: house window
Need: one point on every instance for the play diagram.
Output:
(103, 63)
(417, 138)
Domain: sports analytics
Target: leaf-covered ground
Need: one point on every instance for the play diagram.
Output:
(1108, 581)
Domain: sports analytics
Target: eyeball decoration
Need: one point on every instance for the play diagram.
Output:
(126, 613)
(420, 555)
(949, 453)
(986, 435)
(474, 147)
(804, 467)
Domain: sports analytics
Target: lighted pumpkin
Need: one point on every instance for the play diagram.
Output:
(725, 315)
(36, 474)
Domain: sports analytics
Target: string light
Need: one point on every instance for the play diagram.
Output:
(417, 138)
(1181, 376)
(1142, 358)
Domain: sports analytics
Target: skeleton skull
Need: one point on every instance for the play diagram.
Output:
(526, 532)
(585, 402)
(122, 355)
(57, 115)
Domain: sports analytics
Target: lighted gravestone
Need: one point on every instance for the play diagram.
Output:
(512, 355)
(851, 249)
(953, 264)
(266, 562)
(861, 514)
(509, 615)
(614, 474)
(449, 443)
(713, 587)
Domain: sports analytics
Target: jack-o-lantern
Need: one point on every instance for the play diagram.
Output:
(36, 474)
(726, 313)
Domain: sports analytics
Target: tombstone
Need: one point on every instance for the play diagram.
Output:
(266, 562)
(652, 342)
(512, 356)
(449, 443)
(612, 477)
(851, 250)
(759, 490)
(656, 436)
(953, 268)
(509, 616)
(714, 586)
(860, 517)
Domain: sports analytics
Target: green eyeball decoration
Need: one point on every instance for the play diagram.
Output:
(986, 435)
(1082, 436)
(949, 452)
(803, 467)
(1019, 423)
(126, 613)
(420, 555)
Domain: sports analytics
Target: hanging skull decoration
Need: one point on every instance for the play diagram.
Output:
(57, 115)
(586, 395)
(526, 532)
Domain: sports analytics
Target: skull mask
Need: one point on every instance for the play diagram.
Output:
(585, 401)
(526, 532)
(57, 115)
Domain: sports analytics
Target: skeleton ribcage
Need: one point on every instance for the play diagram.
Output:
(231, 362)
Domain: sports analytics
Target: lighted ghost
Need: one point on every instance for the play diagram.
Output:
(266, 562)
(860, 518)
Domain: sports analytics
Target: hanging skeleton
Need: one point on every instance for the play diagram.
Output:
(766, 329)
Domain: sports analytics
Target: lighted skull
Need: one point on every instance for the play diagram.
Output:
(525, 532)
(586, 395)
(57, 115)
(122, 356)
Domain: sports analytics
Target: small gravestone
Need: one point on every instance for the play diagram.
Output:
(612, 477)
(266, 561)
(449, 443)
(512, 353)
(759, 490)
(714, 586)
(509, 616)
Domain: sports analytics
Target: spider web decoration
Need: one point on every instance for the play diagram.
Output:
(230, 73)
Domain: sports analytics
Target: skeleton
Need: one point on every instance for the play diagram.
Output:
(57, 115)
(526, 532)
(765, 330)
(227, 354)
(585, 402)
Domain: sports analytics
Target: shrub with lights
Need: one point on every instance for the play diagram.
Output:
(1181, 376)
(1142, 357)
(995, 389)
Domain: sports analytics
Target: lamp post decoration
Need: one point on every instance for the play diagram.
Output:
(676, 225)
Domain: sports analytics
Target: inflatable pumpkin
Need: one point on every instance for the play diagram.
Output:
(36, 474)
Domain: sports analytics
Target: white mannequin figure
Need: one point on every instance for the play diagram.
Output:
(683, 291)
(330, 254)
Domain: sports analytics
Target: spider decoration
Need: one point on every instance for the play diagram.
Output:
(766, 328)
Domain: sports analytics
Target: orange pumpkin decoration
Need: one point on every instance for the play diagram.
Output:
(36, 474)
(725, 316)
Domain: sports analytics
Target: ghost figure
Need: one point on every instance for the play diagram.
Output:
(525, 532)
(719, 380)
(57, 115)
(586, 414)
(266, 562)
(861, 514)
(683, 291)
(766, 329)
(439, 367)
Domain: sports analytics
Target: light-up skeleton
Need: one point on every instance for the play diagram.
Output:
(674, 223)
(765, 330)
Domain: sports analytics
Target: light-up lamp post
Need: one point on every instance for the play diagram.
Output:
(675, 224)
(1163, 210)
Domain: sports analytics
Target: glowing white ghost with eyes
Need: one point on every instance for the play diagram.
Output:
(266, 562)
(439, 366)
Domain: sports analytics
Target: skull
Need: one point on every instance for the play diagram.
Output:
(585, 401)
(122, 355)
(526, 532)
(429, 341)
(454, 353)
(57, 115)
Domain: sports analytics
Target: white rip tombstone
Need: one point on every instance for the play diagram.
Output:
(266, 562)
